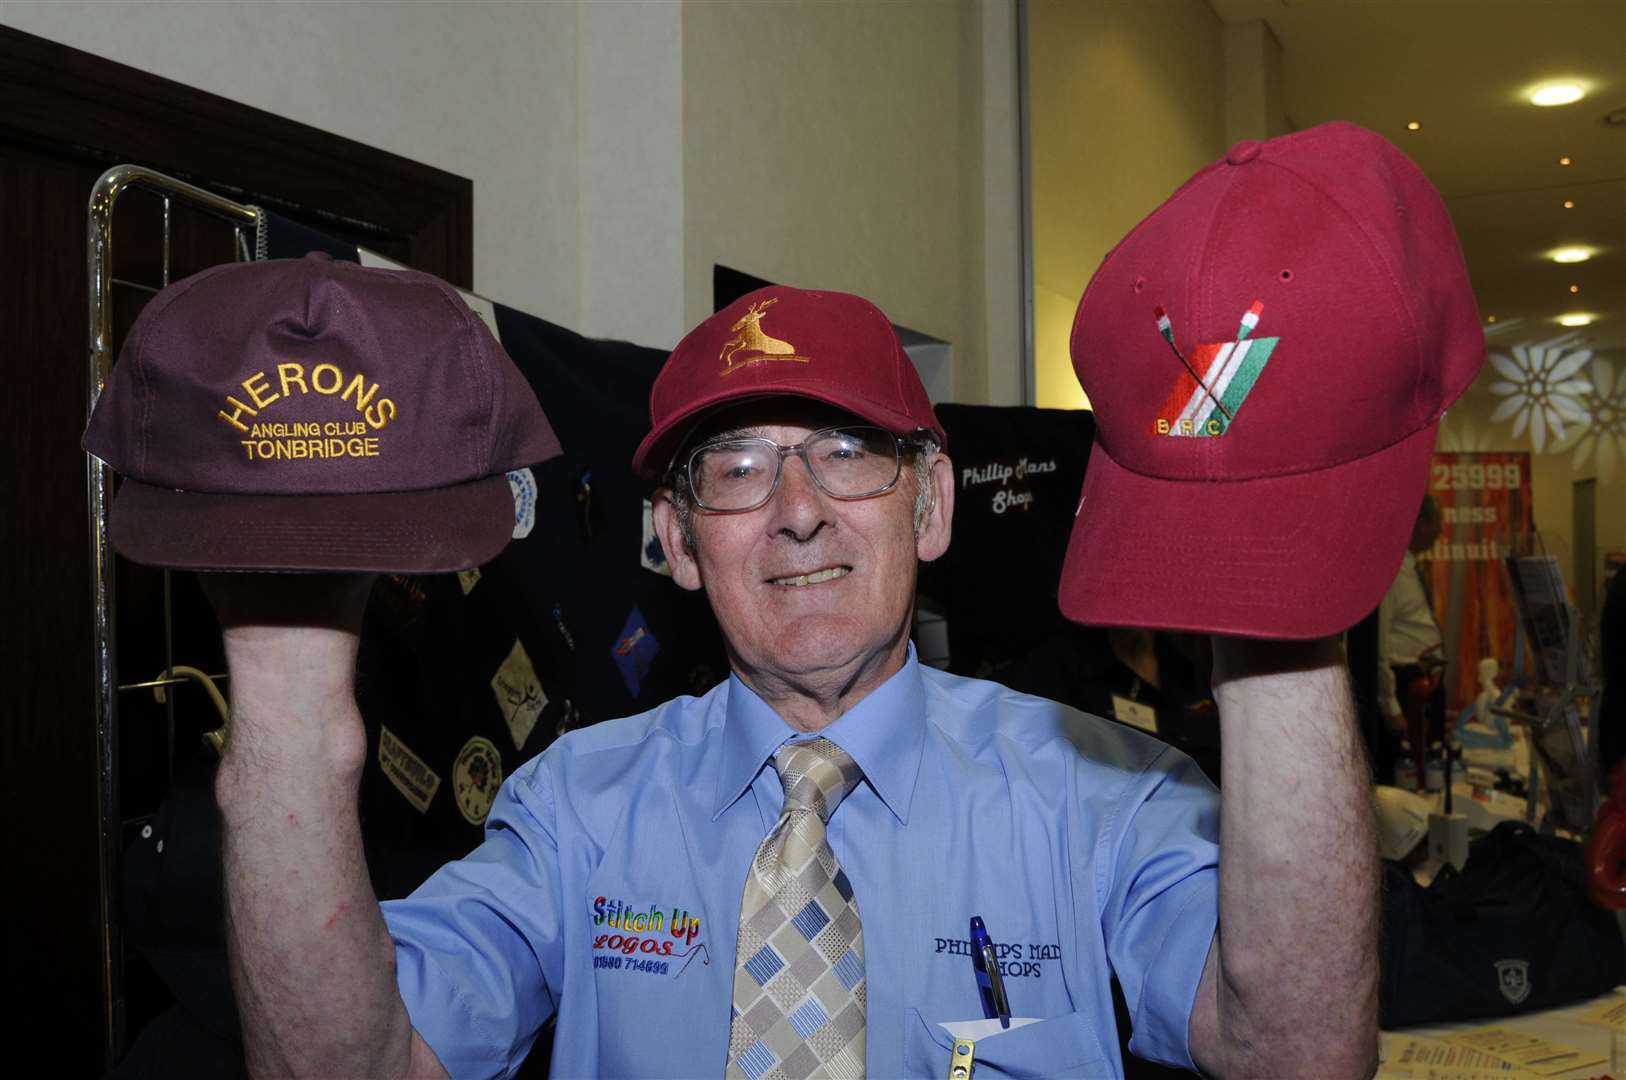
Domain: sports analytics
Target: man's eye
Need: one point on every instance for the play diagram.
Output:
(843, 447)
(741, 471)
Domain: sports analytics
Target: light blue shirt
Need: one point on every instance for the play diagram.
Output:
(608, 887)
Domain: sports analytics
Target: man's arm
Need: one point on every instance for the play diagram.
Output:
(312, 963)
(1290, 986)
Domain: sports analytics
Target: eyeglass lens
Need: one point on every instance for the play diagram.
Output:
(848, 463)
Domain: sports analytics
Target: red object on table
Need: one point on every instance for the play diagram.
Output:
(1606, 847)
(1414, 707)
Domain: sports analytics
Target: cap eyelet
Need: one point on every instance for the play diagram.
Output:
(1140, 283)
(1287, 275)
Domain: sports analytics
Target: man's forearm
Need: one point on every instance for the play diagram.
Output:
(1297, 987)
(312, 962)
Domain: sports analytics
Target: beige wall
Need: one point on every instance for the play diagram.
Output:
(795, 171)
(1127, 100)
(619, 149)
(993, 261)
(1254, 104)
(1055, 385)
(629, 155)
(486, 91)
(840, 145)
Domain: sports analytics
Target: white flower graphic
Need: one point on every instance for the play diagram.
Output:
(1541, 388)
(1460, 434)
(1604, 439)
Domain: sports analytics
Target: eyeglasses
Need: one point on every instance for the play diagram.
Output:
(735, 475)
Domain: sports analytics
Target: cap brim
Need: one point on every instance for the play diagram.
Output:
(655, 453)
(1294, 557)
(404, 532)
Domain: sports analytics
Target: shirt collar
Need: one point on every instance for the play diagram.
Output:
(884, 733)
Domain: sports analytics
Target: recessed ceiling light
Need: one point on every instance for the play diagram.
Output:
(1565, 160)
(1569, 204)
(1570, 254)
(1557, 94)
(1575, 288)
(1413, 125)
(1490, 318)
(1576, 318)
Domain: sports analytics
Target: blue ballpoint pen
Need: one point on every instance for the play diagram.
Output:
(985, 963)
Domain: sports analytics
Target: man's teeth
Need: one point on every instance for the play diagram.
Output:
(813, 579)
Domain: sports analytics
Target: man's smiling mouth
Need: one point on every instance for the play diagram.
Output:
(798, 580)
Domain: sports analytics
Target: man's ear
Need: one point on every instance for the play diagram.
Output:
(932, 538)
(685, 570)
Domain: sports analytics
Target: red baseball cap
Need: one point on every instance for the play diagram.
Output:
(829, 346)
(1268, 355)
(312, 414)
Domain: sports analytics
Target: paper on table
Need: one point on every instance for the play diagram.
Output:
(1526, 1051)
(1611, 1014)
(1446, 1072)
(1429, 1059)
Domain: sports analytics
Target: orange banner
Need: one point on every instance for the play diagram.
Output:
(1484, 502)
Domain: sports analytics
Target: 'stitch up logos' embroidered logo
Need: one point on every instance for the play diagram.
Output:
(752, 345)
(1216, 380)
(641, 938)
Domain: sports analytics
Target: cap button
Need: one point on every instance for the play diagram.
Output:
(319, 256)
(1243, 152)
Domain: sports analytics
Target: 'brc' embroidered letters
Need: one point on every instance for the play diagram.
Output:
(1216, 379)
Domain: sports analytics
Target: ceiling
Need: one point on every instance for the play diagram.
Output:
(1462, 69)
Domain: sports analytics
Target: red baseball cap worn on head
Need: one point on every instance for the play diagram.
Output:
(311, 414)
(1268, 354)
(829, 346)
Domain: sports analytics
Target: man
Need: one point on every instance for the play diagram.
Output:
(1408, 635)
(777, 878)
(639, 833)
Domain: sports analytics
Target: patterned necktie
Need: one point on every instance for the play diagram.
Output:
(799, 992)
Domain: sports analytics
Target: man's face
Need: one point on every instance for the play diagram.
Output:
(858, 556)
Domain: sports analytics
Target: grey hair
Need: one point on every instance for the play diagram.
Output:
(924, 448)
(677, 490)
(920, 449)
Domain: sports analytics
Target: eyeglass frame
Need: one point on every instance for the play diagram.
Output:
(781, 452)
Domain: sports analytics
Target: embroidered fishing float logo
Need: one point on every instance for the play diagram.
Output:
(1216, 381)
(753, 346)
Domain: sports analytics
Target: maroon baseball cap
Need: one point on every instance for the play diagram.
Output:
(1268, 355)
(829, 346)
(313, 414)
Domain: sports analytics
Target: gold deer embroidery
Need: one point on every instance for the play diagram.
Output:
(752, 340)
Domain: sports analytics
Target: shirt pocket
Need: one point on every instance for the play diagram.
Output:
(1062, 1047)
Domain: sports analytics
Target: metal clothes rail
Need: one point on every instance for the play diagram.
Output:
(98, 497)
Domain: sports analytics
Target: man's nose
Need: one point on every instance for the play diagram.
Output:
(800, 506)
